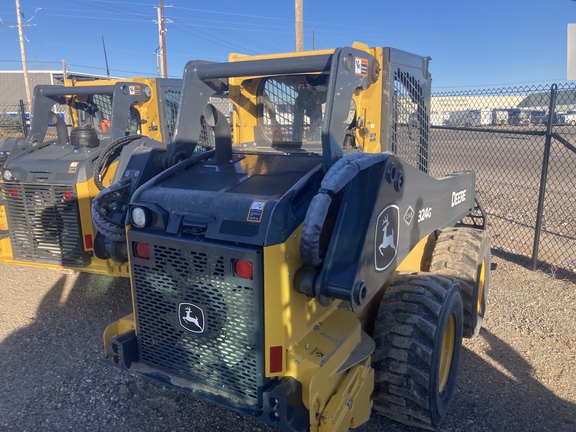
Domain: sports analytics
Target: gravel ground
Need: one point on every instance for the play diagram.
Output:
(518, 375)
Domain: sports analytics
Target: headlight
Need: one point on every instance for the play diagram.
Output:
(7, 175)
(139, 217)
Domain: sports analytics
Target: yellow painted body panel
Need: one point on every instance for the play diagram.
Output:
(419, 257)
(288, 315)
(316, 340)
(351, 405)
(3, 219)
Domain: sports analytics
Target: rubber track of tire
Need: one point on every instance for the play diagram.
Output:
(406, 323)
(454, 256)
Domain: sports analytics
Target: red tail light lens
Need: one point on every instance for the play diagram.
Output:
(142, 250)
(88, 241)
(243, 269)
(13, 193)
(276, 359)
(68, 196)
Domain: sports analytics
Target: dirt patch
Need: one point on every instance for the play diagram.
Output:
(518, 375)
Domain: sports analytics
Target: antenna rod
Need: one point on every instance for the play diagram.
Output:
(105, 57)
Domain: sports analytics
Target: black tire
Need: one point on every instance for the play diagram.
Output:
(464, 254)
(418, 335)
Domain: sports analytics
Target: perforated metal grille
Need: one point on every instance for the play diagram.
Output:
(410, 119)
(224, 355)
(171, 103)
(44, 223)
(104, 104)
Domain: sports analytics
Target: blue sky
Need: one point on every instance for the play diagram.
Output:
(473, 44)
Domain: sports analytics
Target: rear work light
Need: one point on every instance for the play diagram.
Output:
(139, 217)
(142, 250)
(243, 269)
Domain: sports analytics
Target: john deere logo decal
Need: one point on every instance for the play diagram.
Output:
(191, 317)
(386, 237)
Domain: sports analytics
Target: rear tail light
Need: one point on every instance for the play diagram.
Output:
(88, 241)
(142, 250)
(68, 196)
(276, 359)
(13, 193)
(243, 269)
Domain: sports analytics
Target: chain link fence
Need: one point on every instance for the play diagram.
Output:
(519, 143)
(14, 119)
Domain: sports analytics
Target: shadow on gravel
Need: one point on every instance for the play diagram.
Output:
(506, 397)
(46, 368)
(502, 398)
(549, 269)
(53, 378)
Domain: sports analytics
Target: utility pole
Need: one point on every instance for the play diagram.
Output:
(64, 72)
(162, 40)
(23, 52)
(298, 25)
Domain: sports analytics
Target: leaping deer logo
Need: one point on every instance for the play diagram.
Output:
(191, 317)
(386, 237)
(387, 240)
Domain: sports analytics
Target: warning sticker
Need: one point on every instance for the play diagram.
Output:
(303, 84)
(134, 90)
(256, 211)
(73, 167)
(361, 66)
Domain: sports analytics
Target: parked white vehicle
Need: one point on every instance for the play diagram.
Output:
(569, 118)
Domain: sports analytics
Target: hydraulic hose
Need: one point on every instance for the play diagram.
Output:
(337, 177)
(108, 201)
(104, 158)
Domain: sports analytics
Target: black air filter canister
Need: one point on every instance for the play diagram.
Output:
(84, 136)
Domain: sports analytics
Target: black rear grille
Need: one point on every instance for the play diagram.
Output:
(44, 223)
(227, 355)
